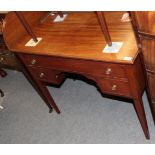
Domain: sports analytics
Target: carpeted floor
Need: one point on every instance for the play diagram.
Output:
(86, 116)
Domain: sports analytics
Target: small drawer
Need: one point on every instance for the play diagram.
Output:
(112, 70)
(76, 65)
(47, 75)
(9, 60)
(115, 87)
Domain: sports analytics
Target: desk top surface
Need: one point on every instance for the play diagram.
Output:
(80, 36)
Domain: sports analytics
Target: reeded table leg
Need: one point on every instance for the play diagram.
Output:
(138, 104)
(102, 21)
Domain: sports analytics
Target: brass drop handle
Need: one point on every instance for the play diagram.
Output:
(108, 71)
(114, 87)
(1, 59)
(33, 61)
(42, 75)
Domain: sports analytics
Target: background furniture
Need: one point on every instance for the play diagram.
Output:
(7, 58)
(76, 46)
(144, 26)
(2, 48)
(2, 74)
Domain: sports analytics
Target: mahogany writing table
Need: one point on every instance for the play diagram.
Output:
(76, 46)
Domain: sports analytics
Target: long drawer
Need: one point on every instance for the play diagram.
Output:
(10, 61)
(75, 65)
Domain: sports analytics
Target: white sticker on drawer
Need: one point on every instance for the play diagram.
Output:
(115, 48)
(127, 58)
(32, 43)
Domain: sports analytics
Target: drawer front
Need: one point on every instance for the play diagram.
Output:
(151, 83)
(47, 75)
(76, 65)
(10, 61)
(148, 49)
(115, 87)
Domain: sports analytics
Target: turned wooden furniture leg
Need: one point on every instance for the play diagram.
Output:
(104, 27)
(26, 25)
(138, 104)
(47, 95)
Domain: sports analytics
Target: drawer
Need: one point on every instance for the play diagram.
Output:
(10, 61)
(148, 49)
(47, 75)
(115, 87)
(76, 65)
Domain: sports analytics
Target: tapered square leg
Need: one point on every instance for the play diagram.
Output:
(138, 104)
(46, 94)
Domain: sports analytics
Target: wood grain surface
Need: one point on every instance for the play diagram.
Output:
(79, 36)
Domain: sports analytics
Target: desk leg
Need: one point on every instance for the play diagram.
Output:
(138, 104)
(40, 87)
(47, 95)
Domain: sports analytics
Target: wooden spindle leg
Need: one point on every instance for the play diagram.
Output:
(26, 25)
(104, 27)
(47, 95)
(138, 104)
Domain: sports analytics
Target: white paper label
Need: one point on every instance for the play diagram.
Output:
(32, 43)
(127, 58)
(60, 19)
(115, 48)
